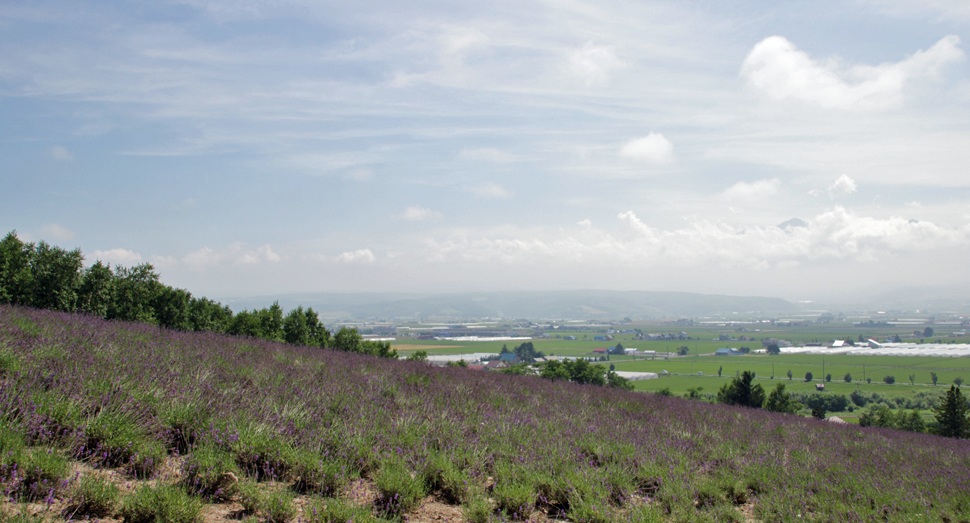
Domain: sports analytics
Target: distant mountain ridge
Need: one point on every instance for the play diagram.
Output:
(582, 304)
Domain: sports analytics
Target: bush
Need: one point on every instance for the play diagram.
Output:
(263, 456)
(211, 473)
(889, 380)
(398, 491)
(808, 376)
(116, 439)
(515, 499)
(337, 511)
(42, 473)
(164, 504)
(278, 507)
(316, 475)
(92, 497)
(847, 377)
(443, 478)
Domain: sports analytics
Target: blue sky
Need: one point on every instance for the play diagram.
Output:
(259, 147)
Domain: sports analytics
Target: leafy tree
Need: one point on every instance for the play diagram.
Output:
(719, 369)
(612, 367)
(135, 291)
(789, 375)
(615, 381)
(847, 377)
(56, 276)
(912, 379)
(554, 370)
(913, 422)
(209, 315)
(741, 392)
(505, 350)
(350, 340)
(582, 372)
(958, 381)
(808, 376)
(694, 393)
(781, 401)
(953, 415)
(934, 377)
(96, 294)
(419, 355)
(745, 350)
(171, 307)
(527, 352)
(295, 328)
(318, 334)
(828, 378)
(618, 350)
(683, 350)
(773, 349)
(16, 278)
(927, 332)
(889, 380)
(665, 392)
(818, 411)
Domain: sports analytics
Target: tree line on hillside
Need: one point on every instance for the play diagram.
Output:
(951, 411)
(48, 277)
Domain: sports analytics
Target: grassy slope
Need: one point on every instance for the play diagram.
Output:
(122, 397)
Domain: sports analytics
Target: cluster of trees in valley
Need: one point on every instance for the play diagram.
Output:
(48, 277)
(951, 411)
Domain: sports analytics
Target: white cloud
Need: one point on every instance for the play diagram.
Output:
(57, 232)
(653, 148)
(233, 254)
(784, 72)
(416, 213)
(593, 63)
(488, 155)
(261, 254)
(842, 186)
(836, 234)
(163, 262)
(744, 191)
(947, 10)
(358, 256)
(490, 190)
(117, 257)
(58, 152)
(454, 42)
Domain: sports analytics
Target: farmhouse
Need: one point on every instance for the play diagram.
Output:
(727, 352)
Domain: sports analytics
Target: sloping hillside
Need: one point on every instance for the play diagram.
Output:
(128, 421)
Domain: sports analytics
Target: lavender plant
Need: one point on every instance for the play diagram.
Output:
(502, 445)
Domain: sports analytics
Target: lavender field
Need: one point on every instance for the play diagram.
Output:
(286, 433)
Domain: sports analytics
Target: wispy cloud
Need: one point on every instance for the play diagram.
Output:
(752, 191)
(490, 190)
(593, 64)
(57, 232)
(417, 213)
(58, 152)
(116, 257)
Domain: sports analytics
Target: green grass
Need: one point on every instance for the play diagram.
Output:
(92, 497)
(162, 504)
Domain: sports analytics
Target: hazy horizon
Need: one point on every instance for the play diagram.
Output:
(258, 147)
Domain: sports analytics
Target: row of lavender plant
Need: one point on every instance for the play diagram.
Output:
(582, 452)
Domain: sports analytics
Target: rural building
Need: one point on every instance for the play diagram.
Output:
(727, 352)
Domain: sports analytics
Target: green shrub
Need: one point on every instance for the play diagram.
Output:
(92, 496)
(42, 472)
(164, 504)
(263, 455)
(313, 474)
(443, 478)
(337, 511)
(477, 509)
(184, 421)
(514, 498)
(116, 439)
(210, 472)
(251, 497)
(398, 490)
(278, 507)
